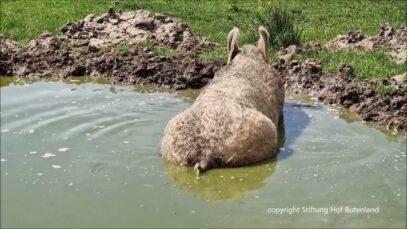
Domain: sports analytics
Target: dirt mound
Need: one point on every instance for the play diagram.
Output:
(395, 41)
(8, 48)
(289, 53)
(123, 47)
(389, 110)
(133, 27)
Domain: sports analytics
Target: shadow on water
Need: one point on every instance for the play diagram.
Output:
(294, 121)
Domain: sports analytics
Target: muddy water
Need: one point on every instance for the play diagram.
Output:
(87, 155)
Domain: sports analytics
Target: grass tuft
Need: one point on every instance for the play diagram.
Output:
(280, 23)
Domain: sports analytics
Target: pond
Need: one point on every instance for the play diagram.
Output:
(85, 154)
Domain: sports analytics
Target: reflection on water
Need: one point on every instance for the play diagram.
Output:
(81, 154)
(222, 184)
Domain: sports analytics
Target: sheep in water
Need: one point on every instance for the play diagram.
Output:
(234, 120)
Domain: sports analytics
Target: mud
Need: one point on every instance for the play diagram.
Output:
(91, 47)
(388, 110)
(291, 51)
(395, 41)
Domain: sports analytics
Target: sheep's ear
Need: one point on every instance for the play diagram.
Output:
(263, 43)
(233, 49)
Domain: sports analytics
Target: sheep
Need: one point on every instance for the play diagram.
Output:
(234, 120)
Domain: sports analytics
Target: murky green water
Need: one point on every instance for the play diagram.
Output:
(87, 155)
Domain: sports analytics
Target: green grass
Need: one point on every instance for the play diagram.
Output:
(214, 54)
(280, 20)
(373, 64)
(320, 20)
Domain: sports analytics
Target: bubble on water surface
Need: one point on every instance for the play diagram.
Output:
(47, 155)
(40, 174)
(4, 130)
(56, 166)
(3, 160)
(31, 131)
(70, 183)
(63, 149)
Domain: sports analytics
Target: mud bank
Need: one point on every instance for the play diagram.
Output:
(139, 47)
(388, 110)
(127, 48)
(361, 97)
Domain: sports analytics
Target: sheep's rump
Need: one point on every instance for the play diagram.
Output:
(219, 134)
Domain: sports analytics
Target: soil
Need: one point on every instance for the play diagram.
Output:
(90, 47)
(395, 41)
(388, 110)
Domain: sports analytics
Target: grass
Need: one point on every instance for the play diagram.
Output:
(214, 54)
(373, 64)
(280, 21)
(320, 20)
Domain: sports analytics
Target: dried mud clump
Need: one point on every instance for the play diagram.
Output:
(289, 53)
(394, 40)
(127, 48)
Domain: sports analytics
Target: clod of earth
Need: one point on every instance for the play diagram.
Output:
(394, 40)
(289, 53)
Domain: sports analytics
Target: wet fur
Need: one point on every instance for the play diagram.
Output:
(234, 120)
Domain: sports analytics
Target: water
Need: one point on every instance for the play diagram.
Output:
(87, 155)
